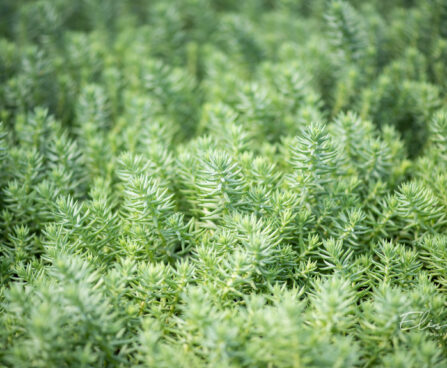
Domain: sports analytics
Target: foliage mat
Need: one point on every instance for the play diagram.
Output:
(223, 183)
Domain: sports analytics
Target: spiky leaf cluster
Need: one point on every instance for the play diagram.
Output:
(221, 183)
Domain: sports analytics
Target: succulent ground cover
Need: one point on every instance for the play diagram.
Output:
(221, 183)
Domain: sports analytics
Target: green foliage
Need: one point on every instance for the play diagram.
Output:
(193, 183)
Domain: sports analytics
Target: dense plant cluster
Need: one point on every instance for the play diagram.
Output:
(222, 183)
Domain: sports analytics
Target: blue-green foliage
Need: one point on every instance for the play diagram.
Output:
(221, 183)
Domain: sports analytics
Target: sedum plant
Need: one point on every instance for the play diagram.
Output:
(192, 183)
